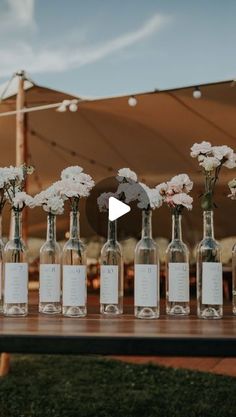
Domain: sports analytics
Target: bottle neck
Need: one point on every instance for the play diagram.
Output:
(208, 226)
(146, 224)
(16, 224)
(176, 227)
(112, 231)
(0, 226)
(51, 227)
(74, 225)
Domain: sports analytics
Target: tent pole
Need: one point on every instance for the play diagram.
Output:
(21, 140)
(21, 158)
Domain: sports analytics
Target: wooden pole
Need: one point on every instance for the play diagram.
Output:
(21, 140)
(21, 158)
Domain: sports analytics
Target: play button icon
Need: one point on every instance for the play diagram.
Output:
(117, 208)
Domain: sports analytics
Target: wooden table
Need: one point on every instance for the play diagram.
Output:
(121, 336)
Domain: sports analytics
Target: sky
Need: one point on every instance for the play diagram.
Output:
(98, 48)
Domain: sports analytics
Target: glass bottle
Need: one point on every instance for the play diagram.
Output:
(74, 287)
(15, 271)
(234, 279)
(50, 271)
(209, 273)
(111, 274)
(177, 272)
(146, 272)
(1, 265)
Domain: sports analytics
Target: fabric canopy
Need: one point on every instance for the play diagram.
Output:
(153, 138)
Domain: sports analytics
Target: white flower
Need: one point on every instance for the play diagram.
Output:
(21, 200)
(200, 148)
(230, 163)
(130, 190)
(14, 174)
(103, 200)
(71, 173)
(86, 180)
(50, 199)
(183, 199)
(54, 205)
(126, 173)
(162, 188)
(221, 152)
(149, 197)
(210, 163)
(232, 186)
(180, 183)
(70, 189)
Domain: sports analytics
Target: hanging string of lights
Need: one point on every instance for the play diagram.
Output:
(68, 151)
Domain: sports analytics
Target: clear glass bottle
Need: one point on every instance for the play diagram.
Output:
(1, 265)
(111, 274)
(209, 273)
(50, 271)
(74, 287)
(234, 279)
(146, 273)
(15, 271)
(177, 272)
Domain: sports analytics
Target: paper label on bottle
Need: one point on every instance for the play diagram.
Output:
(74, 291)
(50, 283)
(212, 283)
(109, 284)
(16, 283)
(178, 281)
(146, 288)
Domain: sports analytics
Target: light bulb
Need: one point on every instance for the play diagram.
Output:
(73, 107)
(197, 93)
(132, 101)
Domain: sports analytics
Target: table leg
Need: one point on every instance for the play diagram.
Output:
(4, 364)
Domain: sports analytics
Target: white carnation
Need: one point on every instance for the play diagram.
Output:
(103, 200)
(180, 183)
(183, 199)
(200, 148)
(21, 200)
(221, 152)
(126, 173)
(131, 191)
(54, 205)
(71, 173)
(210, 163)
(149, 197)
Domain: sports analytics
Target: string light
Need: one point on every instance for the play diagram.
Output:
(197, 93)
(132, 101)
(72, 105)
(68, 151)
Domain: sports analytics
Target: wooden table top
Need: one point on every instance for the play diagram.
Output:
(119, 336)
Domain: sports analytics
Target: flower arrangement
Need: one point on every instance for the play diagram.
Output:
(73, 185)
(232, 187)
(211, 159)
(129, 190)
(12, 183)
(175, 193)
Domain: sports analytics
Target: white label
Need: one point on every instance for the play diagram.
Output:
(146, 286)
(212, 283)
(74, 291)
(16, 283)
(178, 281)
(109, 284)
(50, 283)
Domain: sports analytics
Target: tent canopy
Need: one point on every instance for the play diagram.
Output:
(153, 138)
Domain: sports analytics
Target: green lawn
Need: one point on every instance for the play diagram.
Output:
(58, 386)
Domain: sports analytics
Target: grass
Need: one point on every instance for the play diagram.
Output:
(60, 386)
